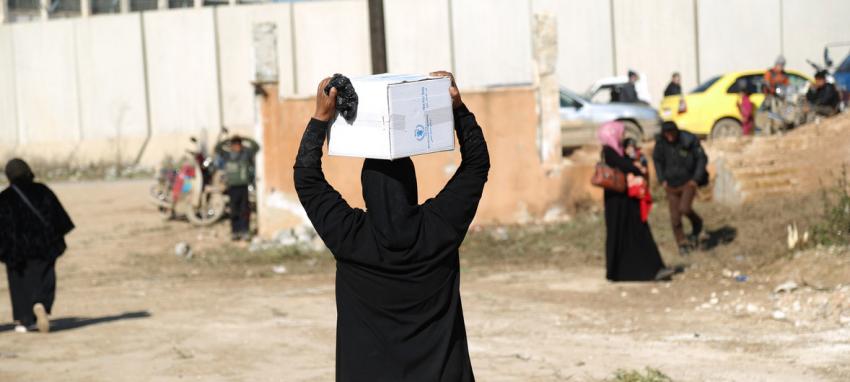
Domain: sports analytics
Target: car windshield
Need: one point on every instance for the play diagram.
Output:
(570, 99)
(845, 66)
(705, 85)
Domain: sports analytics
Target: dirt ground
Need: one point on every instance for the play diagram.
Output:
(128, 309)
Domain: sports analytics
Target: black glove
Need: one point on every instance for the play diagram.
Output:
(346, 97)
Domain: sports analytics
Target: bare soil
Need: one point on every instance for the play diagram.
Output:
(536, 303)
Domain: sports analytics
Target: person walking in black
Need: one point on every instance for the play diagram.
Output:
(237, 155)
(680, 166)
(675, 85)
(630, 250)
(33, 225)
(399, 313)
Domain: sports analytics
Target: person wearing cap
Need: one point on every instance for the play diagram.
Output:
(237, 156)
(33, 225)
(680, 166)
(628, 93)
(775, 76)
(822, 98)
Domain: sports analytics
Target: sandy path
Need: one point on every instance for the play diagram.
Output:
(117, 321)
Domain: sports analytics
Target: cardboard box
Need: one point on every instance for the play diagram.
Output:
(397, 116)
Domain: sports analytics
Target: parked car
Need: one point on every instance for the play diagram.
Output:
(580, 118)
(711, 109)
(602, 90)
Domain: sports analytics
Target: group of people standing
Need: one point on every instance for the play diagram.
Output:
(631, 253)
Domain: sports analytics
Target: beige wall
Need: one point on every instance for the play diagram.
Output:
(519, 187)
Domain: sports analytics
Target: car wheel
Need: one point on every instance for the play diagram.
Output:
(632, 130)
(726, 128)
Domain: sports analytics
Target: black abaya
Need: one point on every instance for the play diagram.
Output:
(630, 250)
(399, 314)
(29, 246)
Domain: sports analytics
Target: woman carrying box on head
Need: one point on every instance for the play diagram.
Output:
(399, 314)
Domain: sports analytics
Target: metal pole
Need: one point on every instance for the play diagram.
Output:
(149, 124)
(3, 11)
(377, 38)
(162, 4)
(613, 37)
(85, 8)
(199, 3)
(124, 6)
(44, 9)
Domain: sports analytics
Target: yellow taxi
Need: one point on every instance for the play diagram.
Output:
(712, 108)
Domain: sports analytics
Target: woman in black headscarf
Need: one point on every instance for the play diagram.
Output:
(399, 315)
(33, 225)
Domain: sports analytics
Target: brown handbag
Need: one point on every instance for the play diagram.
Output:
(608, 177)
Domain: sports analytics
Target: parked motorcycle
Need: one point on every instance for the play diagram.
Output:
(193, 188)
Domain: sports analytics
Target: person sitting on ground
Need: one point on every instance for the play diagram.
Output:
(237, 155)
(680, 166)
(675, 86)
(822, 98)
(399, 314)
(33, 225)
(630, 250)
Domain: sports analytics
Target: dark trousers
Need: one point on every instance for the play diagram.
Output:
(681, 200)
(31, 282)
(240, 209)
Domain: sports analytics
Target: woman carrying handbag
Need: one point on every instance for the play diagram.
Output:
(630, 250)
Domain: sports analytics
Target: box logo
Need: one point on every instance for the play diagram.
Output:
(419, 132)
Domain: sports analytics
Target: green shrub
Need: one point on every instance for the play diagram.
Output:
(834, 226)
(651, 375)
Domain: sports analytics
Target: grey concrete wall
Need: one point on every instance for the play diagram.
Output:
(424, 25)
(8, 104)
(330, 37)
(737, 35)
(585, 51)
(809, 24)
(492, 42)
(75, 88)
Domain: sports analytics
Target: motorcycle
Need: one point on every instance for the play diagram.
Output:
(783, 110)
(194, 188)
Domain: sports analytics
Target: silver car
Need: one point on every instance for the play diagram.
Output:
(580, 118)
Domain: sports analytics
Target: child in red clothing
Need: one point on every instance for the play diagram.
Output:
(746, 107)
(638, 186)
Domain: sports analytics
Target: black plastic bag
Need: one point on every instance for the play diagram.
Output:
(346, 97)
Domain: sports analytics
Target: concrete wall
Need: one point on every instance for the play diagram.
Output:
(429, 32)
(111, 84)
(76, 86)
(747, 38)
(585, 51)
(492, 42)
(330, 37)
(809, 24)
(8, 106)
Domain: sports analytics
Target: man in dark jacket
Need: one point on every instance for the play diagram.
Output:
(675, 86)
(399, 313)
(823, 98)
(628, 93)
(680, 166)
(237, 155)
(33, 225)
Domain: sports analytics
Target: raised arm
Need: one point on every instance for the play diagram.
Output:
(332, 217)
(458, 201)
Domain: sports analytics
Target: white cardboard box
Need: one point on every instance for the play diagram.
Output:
(398, 115)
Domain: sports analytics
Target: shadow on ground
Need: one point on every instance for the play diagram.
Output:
(70, 323)
(721, 236)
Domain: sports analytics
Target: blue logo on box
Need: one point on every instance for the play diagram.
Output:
(419, 132)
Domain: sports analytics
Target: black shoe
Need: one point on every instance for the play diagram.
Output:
(696, 231)
(665, 274)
